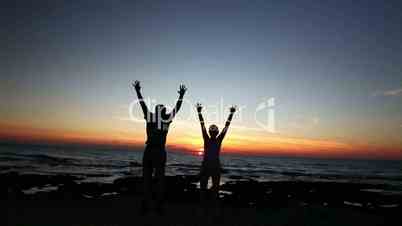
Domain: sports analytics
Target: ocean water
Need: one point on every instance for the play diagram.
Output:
(100, 165)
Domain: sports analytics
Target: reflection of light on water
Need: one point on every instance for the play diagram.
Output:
(223, 193)
(109, 193)
(46, 188)
(199, 152)
(209, 185)
(352, 203)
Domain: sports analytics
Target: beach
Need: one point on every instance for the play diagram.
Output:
(59, 185)
(59, 200)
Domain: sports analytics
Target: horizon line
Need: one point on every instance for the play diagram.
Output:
(180, 149)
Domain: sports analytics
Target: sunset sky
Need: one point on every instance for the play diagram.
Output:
(334, 69)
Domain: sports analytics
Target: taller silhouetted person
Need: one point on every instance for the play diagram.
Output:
(154, 158)
(211, 166)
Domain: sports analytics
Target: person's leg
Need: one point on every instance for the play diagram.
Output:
(147, 171)
(160, 177)
(216, 178)
(215, 190)
(203, 186)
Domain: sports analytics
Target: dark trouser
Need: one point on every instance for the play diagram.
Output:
(154, 161)
(210, 169)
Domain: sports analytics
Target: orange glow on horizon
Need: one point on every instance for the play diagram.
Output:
(234, 143)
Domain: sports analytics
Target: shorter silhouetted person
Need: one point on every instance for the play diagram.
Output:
(211, 166)
(154, 158)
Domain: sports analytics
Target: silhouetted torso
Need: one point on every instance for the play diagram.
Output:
(156, 134)
(212, 147)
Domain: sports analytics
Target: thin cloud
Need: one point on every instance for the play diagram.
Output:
(389, 93)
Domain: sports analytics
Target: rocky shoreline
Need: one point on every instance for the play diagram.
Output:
(20, 191)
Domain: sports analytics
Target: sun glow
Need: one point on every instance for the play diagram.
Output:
(237, 141)
(200, 152)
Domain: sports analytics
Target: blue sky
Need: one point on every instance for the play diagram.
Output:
(333, 67)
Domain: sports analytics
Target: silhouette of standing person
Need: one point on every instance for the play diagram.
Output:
(211, 166)
(154, 158)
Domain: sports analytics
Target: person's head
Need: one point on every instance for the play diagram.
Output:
(213, 131)
(160, 110)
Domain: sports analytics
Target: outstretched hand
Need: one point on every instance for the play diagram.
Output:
(182, 90)
(233, 109)
(199, 107)
(136, 85)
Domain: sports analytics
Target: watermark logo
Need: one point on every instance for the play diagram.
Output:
(264, 113)
(267, 111)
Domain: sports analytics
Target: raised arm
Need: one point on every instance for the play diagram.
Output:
(203, 129)
(182, 91)
(225, 129)
(144, 107)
